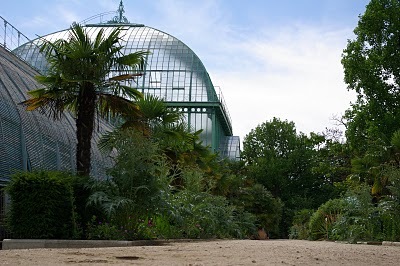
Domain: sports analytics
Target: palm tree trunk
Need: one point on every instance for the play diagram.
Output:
(84, 128)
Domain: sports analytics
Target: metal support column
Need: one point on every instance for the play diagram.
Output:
(5, 33)
(215, 137)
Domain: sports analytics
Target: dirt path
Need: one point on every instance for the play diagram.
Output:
(223, 252)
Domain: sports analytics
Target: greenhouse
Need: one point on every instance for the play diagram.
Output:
(173, 73)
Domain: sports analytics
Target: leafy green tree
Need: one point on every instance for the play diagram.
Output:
(266, 149)
(285, 163)
(371, 66)
(332, 162)
(279, 158)
(78, 80)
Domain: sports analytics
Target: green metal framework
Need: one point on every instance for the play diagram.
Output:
(30, 140)
(173, 72)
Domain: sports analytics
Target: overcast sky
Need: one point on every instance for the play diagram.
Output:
(271, 58)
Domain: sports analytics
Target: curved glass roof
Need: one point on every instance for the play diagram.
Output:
(173, 72)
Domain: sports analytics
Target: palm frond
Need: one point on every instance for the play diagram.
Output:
(111, 105)
(125, 77)
(46, 80)
(115, 88)
(108, 141)
(136, 60)
(51, 102)
(129, 92)
(109, 203)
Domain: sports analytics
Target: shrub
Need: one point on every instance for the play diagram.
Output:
(42, 205)
(354, 217)
(99, 230)
(391, 206)
(256, 199)
(133, 195)
(300, 228)
(201, 215)
(140, 201)
(390, 220)
(361, 219)
(322, 220)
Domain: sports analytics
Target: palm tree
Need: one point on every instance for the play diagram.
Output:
(156, 121)
(79, 81)
(155, 116)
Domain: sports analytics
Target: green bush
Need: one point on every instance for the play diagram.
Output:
(391, 206)
(256, 199)
(355, 217)
(139, 176)
(99, 230)
(300, 228)
(390, 219)
(132, 196)
(140, 201)
(323, 219)
(360, 219)
(201, 215)
(42, 205)
(162, 228)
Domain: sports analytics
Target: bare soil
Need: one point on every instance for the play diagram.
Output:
(218, 252)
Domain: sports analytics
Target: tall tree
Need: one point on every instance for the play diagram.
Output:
(78, 80)
(287, 164)
(281, 159)
(372, 68)
(267, 150)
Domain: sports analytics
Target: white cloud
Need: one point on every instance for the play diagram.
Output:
(292, 73)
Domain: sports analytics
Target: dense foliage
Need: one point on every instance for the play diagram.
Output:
(289, 165)
(368, 208)
(166, 184)
(144, 200)
(42, 205)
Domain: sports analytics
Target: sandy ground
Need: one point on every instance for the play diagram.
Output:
(222, 252)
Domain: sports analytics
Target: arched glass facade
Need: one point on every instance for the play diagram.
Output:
(30, 140)
(173, 72)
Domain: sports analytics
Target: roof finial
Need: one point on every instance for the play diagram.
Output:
(119, 18)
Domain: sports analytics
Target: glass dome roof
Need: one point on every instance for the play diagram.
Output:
(171, 67)
(173, 72)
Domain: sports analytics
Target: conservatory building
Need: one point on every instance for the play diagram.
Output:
(173, 73)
